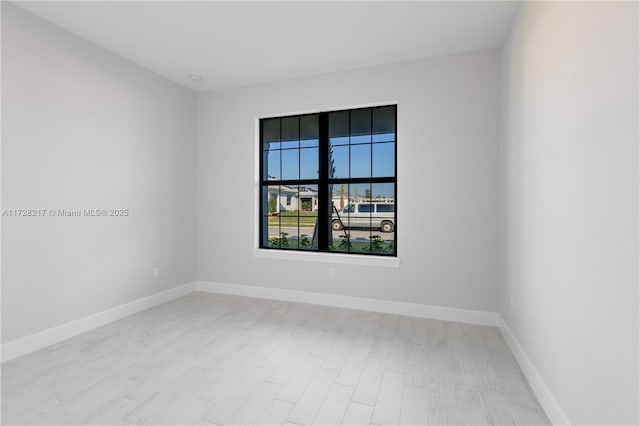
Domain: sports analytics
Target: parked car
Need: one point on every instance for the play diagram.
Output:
(373, 215)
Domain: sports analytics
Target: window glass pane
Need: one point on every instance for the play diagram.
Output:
(264, 212)
(265, 198)
(271, 164)
(308, 217)
(360, 161)
(351, 226)
(290, 144)
(289, 228)
(359, 192)
(384, 159)
(271, 133)
(271, 220)
(361, 126)
(340, 197)
(287, 217)
(340, 230)
(339, 128)
(290, 164)
(339, 141)
(296, 216)
(290, 132)
(309, 163)
(383, 192)
(309, 131)
(340, 159)
(384, 137)
(384, 124)
(383, 223)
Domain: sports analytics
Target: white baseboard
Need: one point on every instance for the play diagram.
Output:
(374, 305)
(548, 402)
(42, 339)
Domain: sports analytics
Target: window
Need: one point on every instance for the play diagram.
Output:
(328, 181)
(385, 208)
(364, 208)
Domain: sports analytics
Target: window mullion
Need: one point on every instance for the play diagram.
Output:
(324, 198)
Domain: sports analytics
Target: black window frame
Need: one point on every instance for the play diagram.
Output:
(324, 182)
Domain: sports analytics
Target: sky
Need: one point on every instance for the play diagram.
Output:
(359, 157)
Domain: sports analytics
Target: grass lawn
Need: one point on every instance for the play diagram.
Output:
(307, 219)
(385, 246)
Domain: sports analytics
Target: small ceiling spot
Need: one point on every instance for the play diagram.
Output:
(195, 78)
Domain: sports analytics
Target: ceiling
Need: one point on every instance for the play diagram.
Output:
(241, 43)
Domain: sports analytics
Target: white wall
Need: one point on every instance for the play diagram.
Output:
(83, 128)
(570, 207)
(447, 181)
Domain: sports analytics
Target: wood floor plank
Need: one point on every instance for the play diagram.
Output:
(83, 405)
(112, 412)
(389, 402)
(384, 337)
(398, 353)
(414, 406)
(343, 345)
(357, 414)
(238, 393)
(366, 392)
(353, 365)
(258, 401)
(355, 361)
(335, 405)
(169, 402)
(193, 413)
(307, 408)
(276, 413)
(289, 365)
(301, 379)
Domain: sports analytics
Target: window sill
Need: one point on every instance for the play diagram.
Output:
(345, 259)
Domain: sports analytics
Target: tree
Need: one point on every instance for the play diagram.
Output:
(332, 171)
(272, 203)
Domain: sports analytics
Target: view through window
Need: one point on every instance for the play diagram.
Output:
(328, 181)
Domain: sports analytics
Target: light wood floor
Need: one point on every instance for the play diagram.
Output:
(214, 359)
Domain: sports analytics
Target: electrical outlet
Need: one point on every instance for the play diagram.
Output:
(156, 272)
(332, 272)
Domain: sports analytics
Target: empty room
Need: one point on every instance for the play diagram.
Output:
(320, 213)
